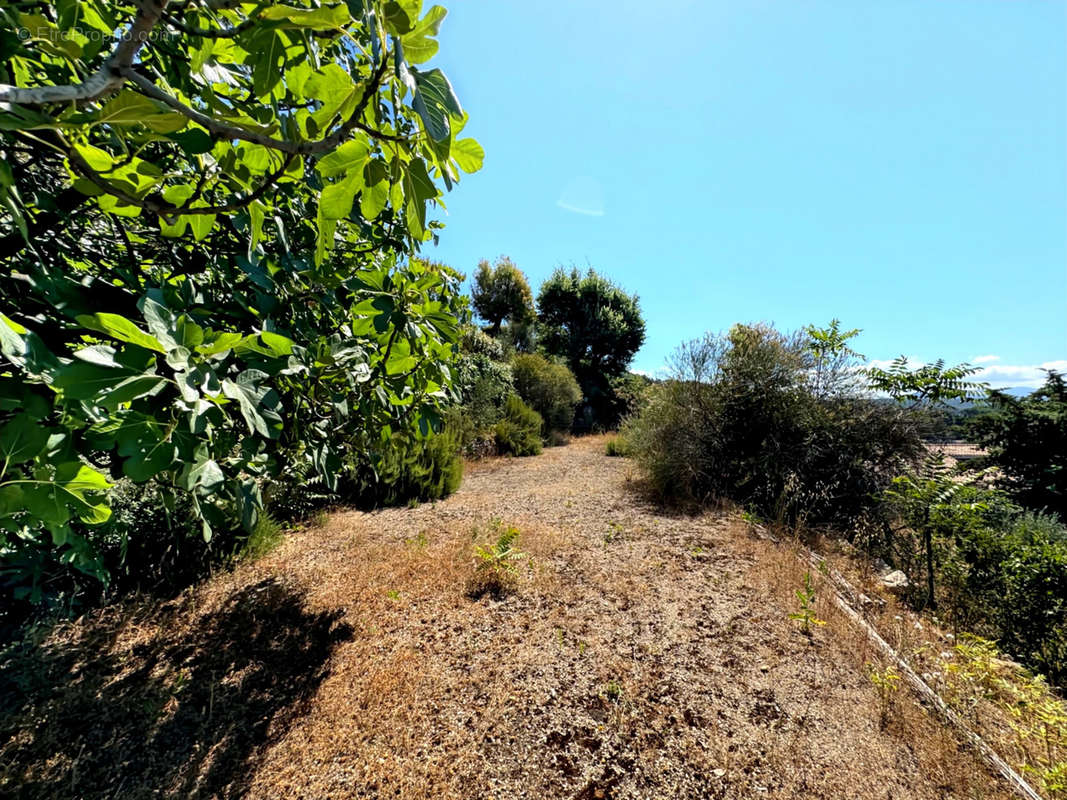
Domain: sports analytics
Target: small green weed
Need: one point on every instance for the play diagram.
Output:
(887, 682)
(418, 541)
(806, 599)
(614, 532)
(751, 517)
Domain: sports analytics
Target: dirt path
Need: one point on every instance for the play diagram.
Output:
(643, 656)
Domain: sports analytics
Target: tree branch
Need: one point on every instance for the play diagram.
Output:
(223, 130)
(165, 209)
(107, 78)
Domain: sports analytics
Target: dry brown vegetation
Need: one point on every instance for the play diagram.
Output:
(641, 655)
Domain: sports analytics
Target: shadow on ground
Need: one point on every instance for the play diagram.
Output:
(187, 711)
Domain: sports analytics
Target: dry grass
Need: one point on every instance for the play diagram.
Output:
(1019, 716)
(642, 655)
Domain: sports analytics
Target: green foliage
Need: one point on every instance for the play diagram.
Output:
(405, 468)
(264, 538)
(495, 571)
(752, 416)
(483, 381)
(1027, 441)
(830, 355)
(230, 107)
(596, 328)
(976, 672)
(805, 613)
(886, 683)
(630, 391)
(997, 570)
(519, 431)
(929, 384)
(210, 282)
(618, 446)
(500, 292)
(548, 388)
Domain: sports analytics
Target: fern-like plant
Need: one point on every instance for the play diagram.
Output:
(495, 570)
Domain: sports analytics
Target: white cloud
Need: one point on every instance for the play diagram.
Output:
(984, 359)
(1031, 376)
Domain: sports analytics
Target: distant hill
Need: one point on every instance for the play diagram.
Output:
(1019, 391)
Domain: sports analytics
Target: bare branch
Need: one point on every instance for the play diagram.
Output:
(107, 78)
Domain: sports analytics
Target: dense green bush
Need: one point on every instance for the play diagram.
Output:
(761, 418)
(548, 388)
(405, 469)
(518, 433)
(483, 381)
(993, 569)
(143, 545)
(1027, 442)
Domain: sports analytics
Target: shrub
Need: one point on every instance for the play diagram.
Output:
(519, 432)
(550, 389)
(755, 416)
(631, 393)
(617, 447)
(1032, 617)
(407, 469)
(147, 546)
(484, 381)
(990, 567)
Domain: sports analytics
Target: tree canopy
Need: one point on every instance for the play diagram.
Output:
(595, 327)
(209, 215)
(500, 292)
(1027, 440)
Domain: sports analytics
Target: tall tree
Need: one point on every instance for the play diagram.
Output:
(500, 292)
(596, 327)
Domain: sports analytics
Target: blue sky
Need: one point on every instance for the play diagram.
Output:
(900, 165)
